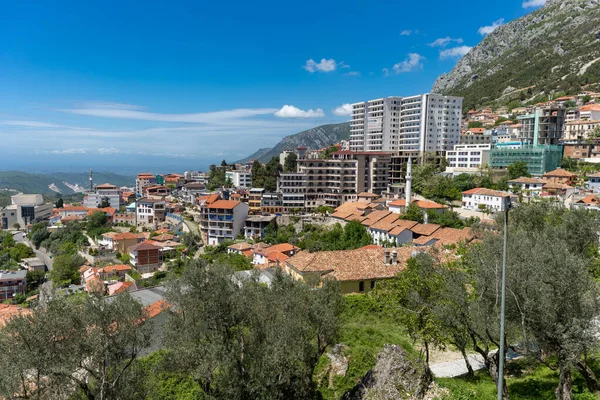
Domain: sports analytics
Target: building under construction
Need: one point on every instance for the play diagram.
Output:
(540, 159)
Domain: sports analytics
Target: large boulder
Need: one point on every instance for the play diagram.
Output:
(395, 376)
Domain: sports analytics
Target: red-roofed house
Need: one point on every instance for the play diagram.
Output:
(222, 220)
(399, 206)
(145, 257)
(113, 271)
(480, 199)
(560, 176)
(275, 253)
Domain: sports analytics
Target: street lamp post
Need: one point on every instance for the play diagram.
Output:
(506, 205)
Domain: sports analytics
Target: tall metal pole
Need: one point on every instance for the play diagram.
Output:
(506, 204)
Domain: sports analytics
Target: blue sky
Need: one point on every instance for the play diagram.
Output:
(199, 81)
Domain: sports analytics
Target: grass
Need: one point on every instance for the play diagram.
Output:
(526, 380)
(364, 330)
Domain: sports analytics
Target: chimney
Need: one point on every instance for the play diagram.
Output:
(386, 257)
(394, 257)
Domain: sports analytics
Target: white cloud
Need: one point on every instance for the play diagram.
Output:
(289, 111)
(209, 117)
(323, 66)
(37, 124)
(406, 32)
(413, 62)
(534, 3)
(486, 30)
(344, 110)
(108, 104)
(353, 73)
(445, 41)
(455, 52)
(109, 150)
(70, 151)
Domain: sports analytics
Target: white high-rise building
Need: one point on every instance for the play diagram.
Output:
(424, 123)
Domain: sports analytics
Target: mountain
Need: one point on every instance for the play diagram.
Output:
(554, 50)
(313, 139)
(60, 182)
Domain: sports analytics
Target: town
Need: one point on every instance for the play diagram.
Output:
(356, 212)
(245, 200)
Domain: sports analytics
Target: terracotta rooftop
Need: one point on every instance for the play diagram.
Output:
(114, 268)
(74, 208)
(525, 179)
(143, 246)
(8, 311)
(486, 192)
(224, 204)
(282, 247)
(367, 194)
(240, 246)
(561, 173)
(590, 200)
(350, 265)
(386, 223)
(555, 186)
(126, 236)
(424, 204)
(163, 237)
(425, 229)
(374, 217)
(400, 226)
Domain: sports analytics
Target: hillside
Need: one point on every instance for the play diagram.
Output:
(554, 49)
(313, 139)
(40, 183)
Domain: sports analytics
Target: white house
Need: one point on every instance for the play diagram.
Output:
(105, 191)
(482, 198)
(239, 178)
(529, 187)
(222, 220)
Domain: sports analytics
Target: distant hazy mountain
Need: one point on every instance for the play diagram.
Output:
(313, 139)
(553, 49)
(60, 182)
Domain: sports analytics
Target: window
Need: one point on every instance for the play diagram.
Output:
(372, 284)
(361, 286)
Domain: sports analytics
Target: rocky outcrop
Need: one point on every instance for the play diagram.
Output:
(546, 48)
(312, 139)
(395, 376)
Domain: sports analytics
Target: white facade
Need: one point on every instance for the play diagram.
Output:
(426, 123)
(94, 199)
(240, 179)
(223, 220)
(468, 158)
(149, 213)
(283, 155)
(381, 237)
(25, 209)
(477, 199)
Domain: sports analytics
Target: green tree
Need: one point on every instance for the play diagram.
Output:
(233, 338)
(518, 169)
(411, 296)
(291, 163)
(105, 203)
(97, 223)
(82, 349)
(59, 203)
(258, 174)
(413, 213)
(34, 279)
(65, 269)
(586, 99)
(570, 104)
(475, 124)
(223, 163)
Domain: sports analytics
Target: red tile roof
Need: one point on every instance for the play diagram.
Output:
(425, 229)
(486, 192)
(224, 204)
(590, 200)
(155, 308)
(115, 268)
(283, 248)
(143, 246)
(424, 204)
(350, 265)
(560, 173)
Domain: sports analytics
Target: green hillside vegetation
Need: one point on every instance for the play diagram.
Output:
(550, 52)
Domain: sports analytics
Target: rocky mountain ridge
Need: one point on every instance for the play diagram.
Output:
(555, 48)
(313, 139)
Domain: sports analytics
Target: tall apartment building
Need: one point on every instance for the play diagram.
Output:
(25, 209)
(255, 200)
(111, 192)
(144, 180)
(425, 123)
(222, 220)
(334, 181)
(544, 126)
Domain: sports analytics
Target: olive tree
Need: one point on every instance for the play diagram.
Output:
(244, 339)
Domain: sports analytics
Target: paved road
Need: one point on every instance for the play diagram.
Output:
(456, 368)
(20, 238)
